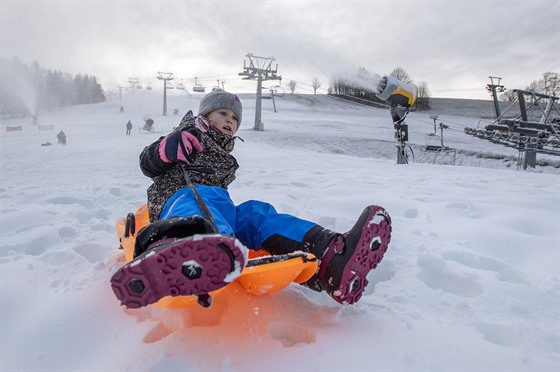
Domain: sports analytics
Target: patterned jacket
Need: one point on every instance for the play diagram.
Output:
(214, 166)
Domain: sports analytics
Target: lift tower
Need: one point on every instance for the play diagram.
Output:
(494, 88)
(165, 76)
(260, 69)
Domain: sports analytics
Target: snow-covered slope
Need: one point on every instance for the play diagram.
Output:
(470, 280)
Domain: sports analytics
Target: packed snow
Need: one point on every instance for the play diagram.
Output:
(470, 280)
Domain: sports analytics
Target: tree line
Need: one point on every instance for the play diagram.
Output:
(26, 90)
(549, 84)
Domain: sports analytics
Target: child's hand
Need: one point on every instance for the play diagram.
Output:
(179, 146)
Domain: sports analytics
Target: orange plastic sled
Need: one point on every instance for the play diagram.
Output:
(263, 273)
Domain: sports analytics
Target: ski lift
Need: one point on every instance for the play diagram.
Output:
(438, 147)
(278, 91)
(149, 87)
(138, 86)
(217, 87)
(198, 87)
(432, 139)
(274, 92)
(181, 86)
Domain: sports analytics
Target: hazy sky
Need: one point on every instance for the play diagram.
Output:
(452, 45)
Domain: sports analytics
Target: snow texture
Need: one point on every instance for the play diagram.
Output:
(470, 280)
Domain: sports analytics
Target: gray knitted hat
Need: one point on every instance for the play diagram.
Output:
(218, 99)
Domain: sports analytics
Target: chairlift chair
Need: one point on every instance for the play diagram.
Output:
(279, 92)
(439, 148)
(198, 87)
(433, 141)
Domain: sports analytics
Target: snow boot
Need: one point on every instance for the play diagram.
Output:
(195, 265)
(349, 257)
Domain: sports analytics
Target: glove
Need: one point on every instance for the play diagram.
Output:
(179, 146)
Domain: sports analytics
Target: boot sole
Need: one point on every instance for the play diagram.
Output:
(195, 265)
(370, 248)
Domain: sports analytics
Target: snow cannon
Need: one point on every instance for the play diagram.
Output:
(396, 92)
(401, 97)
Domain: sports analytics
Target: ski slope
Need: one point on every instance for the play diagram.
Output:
(470, 280)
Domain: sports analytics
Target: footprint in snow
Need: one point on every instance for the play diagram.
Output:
(65, 200)
(504, 272)
(438, 274)
(468, 208)
(411, 213)
(291, 334)
(85, 216)
(91, 252)
(116, 191)
(508, 335)
(67, 233)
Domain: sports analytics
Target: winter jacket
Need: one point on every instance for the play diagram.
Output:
(214, 166)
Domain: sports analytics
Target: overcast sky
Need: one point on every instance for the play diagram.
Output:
(452, 45)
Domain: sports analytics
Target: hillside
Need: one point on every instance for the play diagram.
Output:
(368, 131)
(483, 109)
(470, 280)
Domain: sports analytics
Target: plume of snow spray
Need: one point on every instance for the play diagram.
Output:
(361, 79)
(17, 81)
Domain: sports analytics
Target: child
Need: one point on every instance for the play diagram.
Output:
(191, 169)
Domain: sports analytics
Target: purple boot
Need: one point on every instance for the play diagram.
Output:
(349, 257)
(195, 265)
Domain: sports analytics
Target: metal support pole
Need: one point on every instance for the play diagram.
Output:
(165, 98)
(496, 103)
(494, 89)
(258, 105)
(529, 156)
(165, 76)
(273, 102)
(522, 107)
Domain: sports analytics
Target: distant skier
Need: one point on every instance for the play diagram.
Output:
(61, 138)
(128, 128)
(191, 169)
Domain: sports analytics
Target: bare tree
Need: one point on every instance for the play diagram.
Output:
(536, 85)
(508, 96)
(423, 99)
(316, 84)
(400, 74)
(292, 84)
(551, 83)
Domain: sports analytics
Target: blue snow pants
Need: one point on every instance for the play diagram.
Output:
(252, 222)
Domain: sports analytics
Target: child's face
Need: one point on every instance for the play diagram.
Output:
(223, 120)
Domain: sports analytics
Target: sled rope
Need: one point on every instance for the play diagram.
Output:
(201, 204)
(282, 257)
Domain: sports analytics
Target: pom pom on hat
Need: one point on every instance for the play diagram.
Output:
(218, 99)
